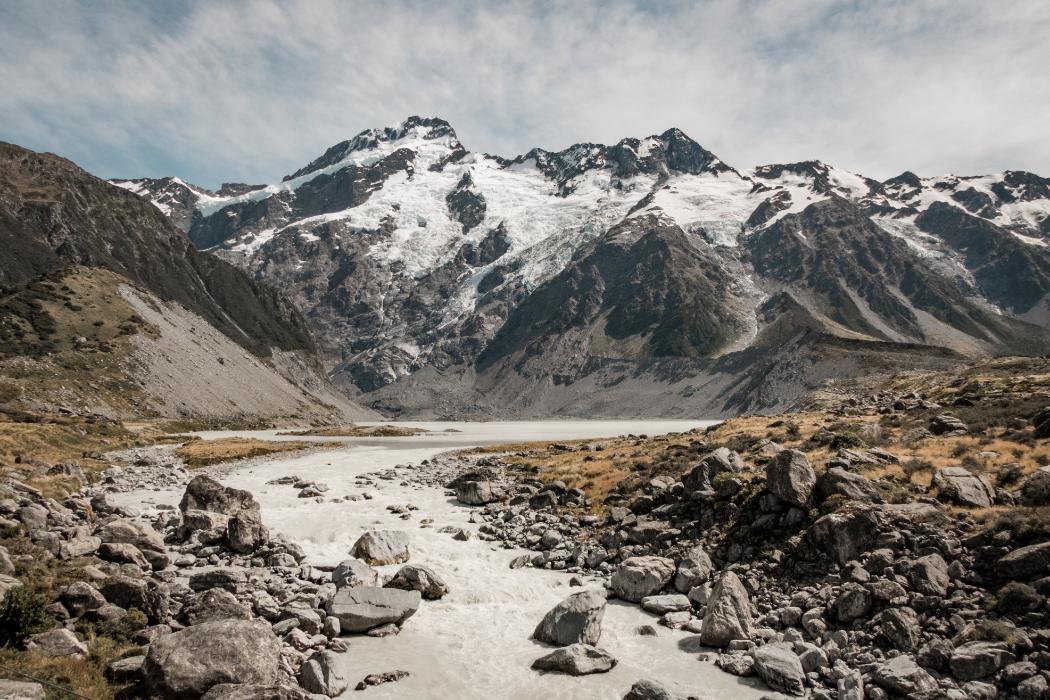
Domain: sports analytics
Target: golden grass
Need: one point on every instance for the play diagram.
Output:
(359, 431)
(85, 676)
(202, 453)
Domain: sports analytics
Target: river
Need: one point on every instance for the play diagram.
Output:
(474, 643)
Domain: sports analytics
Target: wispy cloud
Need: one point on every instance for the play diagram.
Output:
(252, 90)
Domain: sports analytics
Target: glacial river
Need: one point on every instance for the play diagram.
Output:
(474, 643)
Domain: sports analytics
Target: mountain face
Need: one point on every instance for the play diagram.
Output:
(87, 256)
(443, 281)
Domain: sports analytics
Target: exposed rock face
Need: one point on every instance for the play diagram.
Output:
(578, 618)
(638, 577)
(382, 547)
(419, 578)
(790, 477)
(362, 608)
(187, 663)
(576, 660)
(960, 486)
(728, 615)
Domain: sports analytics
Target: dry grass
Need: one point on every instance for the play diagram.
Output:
(202, 453)
(85, 677)
(359, 431)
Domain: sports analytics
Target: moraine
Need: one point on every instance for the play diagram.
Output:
(474, 642)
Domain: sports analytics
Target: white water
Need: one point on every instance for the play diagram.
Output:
(474, 643)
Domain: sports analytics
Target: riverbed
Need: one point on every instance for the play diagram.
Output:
(473, 643)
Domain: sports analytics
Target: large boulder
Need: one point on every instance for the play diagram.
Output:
(929, 575)
(187, 663)
(1025, 562)
(576, 660)
(19, 690)
(962, 487)
(413, 577)
(901, 627)
(790, 477)
(639, 577)
(354, 572)
(947, 424)
(975, 660)
(649, 690)
(477, 493)
(902, 676)
(362, 608)
(578, 618)
(205, 493)
(844, 535)
(1035, 491)
(145, 538)
(728, 614)
(80, 596)
(711, 465)
(148, 596)
(320, 675)
(836, 481)
(245, 532)
(780, 668)
(215, 604)
(694, 569)
(57, 643)
(381, 547)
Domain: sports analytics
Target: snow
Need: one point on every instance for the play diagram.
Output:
(718, 204)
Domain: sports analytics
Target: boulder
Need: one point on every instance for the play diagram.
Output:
(215, 604)
(205, 493)
(836, 481)
(187, 663)
(145, 538)
(711, 465)
(249, 691)
(7, 565)
(79, 597)
(56, 643)
(1025, 562)
(902, 676)
(576, 660)
(79, 547)
(477, 493)
(361, 608)
(929, 575)
(148, 596)
(790, 477)
(413, 577)
(780, 668)
(728, 614)
(852, 603)
(228, 577)
(638, 577)
(960, 486)
(975, 660)
(354, 572)
(947, 424)
(319, 674)
(19, 690)
(694, 569)
(671, 602)
(381, 547)
(126, 670)
(245, 532)
(901, 627)
(578, 618)
(123, 553)
(649, 690)
(1035, 491)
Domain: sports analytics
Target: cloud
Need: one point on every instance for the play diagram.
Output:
(252, 90)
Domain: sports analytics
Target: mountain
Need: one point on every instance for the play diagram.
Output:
(99, 286)
(647, 277)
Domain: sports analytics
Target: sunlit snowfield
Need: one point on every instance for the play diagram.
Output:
(474, 643)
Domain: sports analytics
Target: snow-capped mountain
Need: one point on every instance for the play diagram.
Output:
(443, 278)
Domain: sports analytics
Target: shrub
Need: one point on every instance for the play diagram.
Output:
(1016, 597)
(22, 614)
(915, 466)
(847, 440)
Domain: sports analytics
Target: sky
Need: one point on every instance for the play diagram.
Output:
(250, 91)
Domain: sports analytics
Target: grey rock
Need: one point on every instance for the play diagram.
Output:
(780, 668)
(901, 627)
(578, 618)
(150, 597)
(790, 477)
(228, 577)
(844, 536)
(975, 660)
(20, 690)
(354, 572)
(79, 597)
(381, 547)
(413, 577)
(123, 553)
(929, 575)
(126, 670)
(1035, 491)
(56, 643)
(79, 547)
(245, 532)
(638, 577)
(901, 675)
(319, 674)
(249, 691)
(855, 487)
(205, 493)
(693, 570)
(576, 660)
(649, 690)
(188, 663)
(660, 604)
(728, 614)
(215, 604)
(477, 493)
(361, 608)
(958, 485)
(1026, 562)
